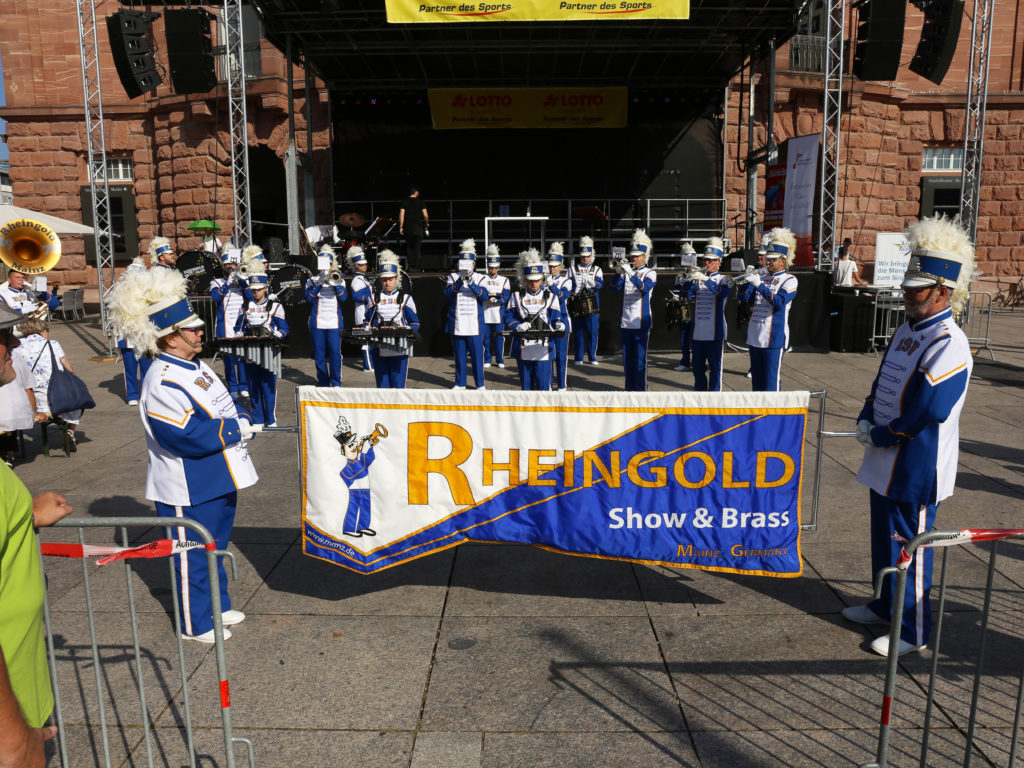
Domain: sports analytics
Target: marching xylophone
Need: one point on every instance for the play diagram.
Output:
(395, 339)
(264, 351)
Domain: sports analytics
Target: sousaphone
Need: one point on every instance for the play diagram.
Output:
(29, 246)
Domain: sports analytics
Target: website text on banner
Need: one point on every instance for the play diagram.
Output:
(460, 108)
(434, 11)
(692, 480)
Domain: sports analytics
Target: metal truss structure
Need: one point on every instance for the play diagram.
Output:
(238, 121)
(832, 114)
(974, 125)
(96, 147)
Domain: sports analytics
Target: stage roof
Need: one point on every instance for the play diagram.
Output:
(352, 46)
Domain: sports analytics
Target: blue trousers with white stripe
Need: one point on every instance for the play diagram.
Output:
(132, 377)
(191, 573)
(327, 355)
(765, 365)
(889, 516)
(474, 345)
(389, 371)
(584, 333)
(707, 364)
(494, 343)
(234, 374)
(634, 357)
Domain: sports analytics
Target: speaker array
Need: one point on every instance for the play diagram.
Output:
(939, 37)
(879, 39)
(133, 55)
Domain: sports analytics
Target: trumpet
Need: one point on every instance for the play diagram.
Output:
(741, 278)
(243, 270)
(379, 431)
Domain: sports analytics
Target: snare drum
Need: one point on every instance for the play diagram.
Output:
(583, 304)
(678, 312)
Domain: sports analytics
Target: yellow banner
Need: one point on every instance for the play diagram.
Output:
(528, 107)
(433, 11)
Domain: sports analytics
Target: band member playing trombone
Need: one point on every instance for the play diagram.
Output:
(230, 293)
(710, 290)
(326, 292)
(391, 308)
(261, 316)
(498, 292)
(361, 293)
(563, 287)
(636, 281)
(465, 323)
(533, 308)
(586, 276)
(768, 332)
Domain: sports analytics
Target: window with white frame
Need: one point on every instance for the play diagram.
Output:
(944, 159)
(120, 170)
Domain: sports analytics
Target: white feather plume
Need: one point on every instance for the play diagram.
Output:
(132, 297)
(640, 237)
(155, 243)
(940, 234)
(784, 236)
(468, 246)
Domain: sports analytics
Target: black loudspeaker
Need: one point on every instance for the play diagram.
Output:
(939, 37)
(133, 56)
(190, 50)
(879, 39)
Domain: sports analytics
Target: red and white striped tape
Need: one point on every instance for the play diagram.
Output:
(158, 548)
(959, 537)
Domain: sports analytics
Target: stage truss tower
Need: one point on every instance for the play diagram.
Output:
(974, 125)
(832, 114)
(96, 148)
(238, 121)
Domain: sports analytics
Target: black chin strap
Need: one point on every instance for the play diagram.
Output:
(184, 338)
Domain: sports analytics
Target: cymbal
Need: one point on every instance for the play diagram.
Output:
(351, 219)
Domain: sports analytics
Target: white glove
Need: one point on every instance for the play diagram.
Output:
(699, 276)
(864, 428)
(754, 279)
(627, 269)
(523, 327)
(248, 430)
(272, 297)
(559, 326)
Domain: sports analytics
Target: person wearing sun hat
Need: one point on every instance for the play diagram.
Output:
(195, 435)
(910, 424)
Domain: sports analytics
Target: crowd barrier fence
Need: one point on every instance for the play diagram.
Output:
(947, 540)
(163, 548)
(889, 314)
(977, 321)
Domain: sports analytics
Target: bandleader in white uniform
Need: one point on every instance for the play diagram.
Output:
(194, 434)
(710, 290)
(636, 281)
(909, 425)
(465, 323)
(326, 292)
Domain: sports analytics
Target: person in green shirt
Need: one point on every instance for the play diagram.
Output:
(26, 698)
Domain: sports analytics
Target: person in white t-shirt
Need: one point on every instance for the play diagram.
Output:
(845, 271)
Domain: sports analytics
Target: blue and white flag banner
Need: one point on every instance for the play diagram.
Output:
(689, 480)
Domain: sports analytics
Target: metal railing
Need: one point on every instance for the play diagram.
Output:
(807, 53)
(976, 321)
(889, 314)
(667, 220)
(144, 662)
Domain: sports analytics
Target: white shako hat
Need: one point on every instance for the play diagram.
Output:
(467, 250)
(531, 265)
(941, 253)
(556, 253)
(586, 246)
(686, 247)
(137, 265)
(158, 246)
(713, 249)
(493, 255)
(328, 253)
(388, 264)
(780, 242)
(354, 255)
(762, 249)
(146, 305)
(641, 244)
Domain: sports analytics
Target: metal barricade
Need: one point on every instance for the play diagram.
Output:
(889, 314)
(822, 397)
(111, 689)
(992, 751)
(976, 321)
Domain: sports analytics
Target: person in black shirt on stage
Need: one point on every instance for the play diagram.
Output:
(413, 223)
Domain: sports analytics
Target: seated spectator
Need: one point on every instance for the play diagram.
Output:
(846, 272)
(35, 351)
(17, 408)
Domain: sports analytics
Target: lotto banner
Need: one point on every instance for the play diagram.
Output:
(692, 480)
(434, 11)
(452, 108)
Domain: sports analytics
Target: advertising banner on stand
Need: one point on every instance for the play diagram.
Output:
(440, 11)
(691, 480)
(801, 177)
(892, 255)
(774, 196)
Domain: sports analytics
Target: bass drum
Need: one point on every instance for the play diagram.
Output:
(289, 284)
(199, 269)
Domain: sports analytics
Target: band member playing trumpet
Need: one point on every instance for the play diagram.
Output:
(533, 308)
(636, 281)
(361, 293)
(465, 323)
(230, 293)
(261, 317)
(586, 276)
(768, 332)
(680, 290)
(563, 287)
(326, 292)
(710, 290)
(21, 298)
(391, 308)
(498, 292)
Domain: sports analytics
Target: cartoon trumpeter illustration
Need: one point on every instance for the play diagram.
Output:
(355, 473)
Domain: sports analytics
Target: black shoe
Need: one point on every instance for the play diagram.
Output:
(72, 442)
(367, 532)
(354, 534)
